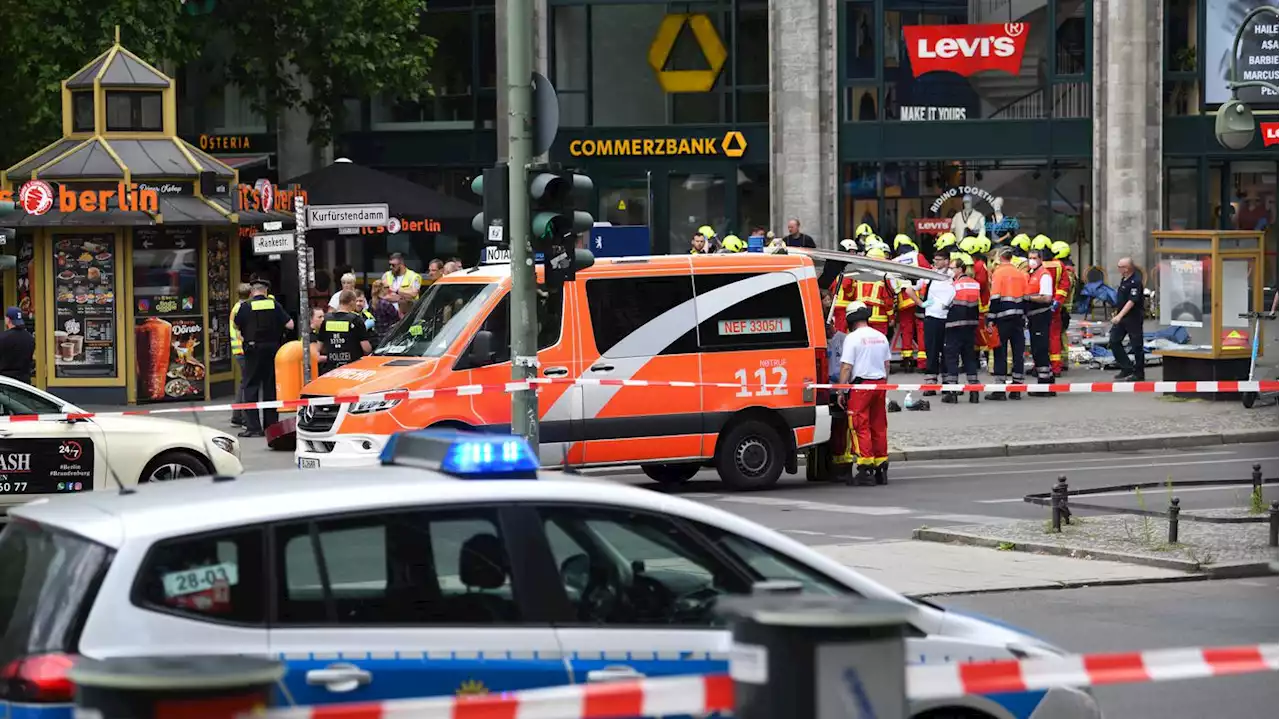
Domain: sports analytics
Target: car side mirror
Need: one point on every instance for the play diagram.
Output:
(481, 352)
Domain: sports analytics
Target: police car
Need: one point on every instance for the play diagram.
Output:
(453, 568)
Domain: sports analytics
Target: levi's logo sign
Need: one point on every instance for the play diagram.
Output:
(1270, 133)
(966, 49)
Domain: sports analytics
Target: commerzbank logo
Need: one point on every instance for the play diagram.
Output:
(732, 145)
(709, 43)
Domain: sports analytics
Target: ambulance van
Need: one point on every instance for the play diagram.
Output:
(753, 322)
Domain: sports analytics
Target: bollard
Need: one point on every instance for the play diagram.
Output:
(1174, 509)
(1275, 523)
(191, 687)
(817, 657)
(1257, 483)
(1055, 507)
(1064, 495)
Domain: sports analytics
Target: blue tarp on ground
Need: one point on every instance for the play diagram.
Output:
(1095, 291)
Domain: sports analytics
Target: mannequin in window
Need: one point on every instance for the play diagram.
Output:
(1001, 228)
(968, 222)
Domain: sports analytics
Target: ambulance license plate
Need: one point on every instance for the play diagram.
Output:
(308, 463)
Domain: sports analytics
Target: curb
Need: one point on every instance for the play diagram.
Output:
(1077, 584)
(1226, 570)
(1091, 444)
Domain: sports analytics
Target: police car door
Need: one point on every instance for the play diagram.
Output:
(407, 603)
(641, 590)
(42, 458)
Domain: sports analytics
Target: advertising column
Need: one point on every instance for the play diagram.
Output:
(169, 331)
(218, 267)
(84, 306)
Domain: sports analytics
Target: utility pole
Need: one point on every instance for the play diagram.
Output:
(524, 318)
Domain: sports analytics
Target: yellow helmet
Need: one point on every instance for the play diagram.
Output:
(1019, 261)
(945, 240)
(863, 230)
(876, 253)
(1022, 242)
(984, 244)
(1040, 242)
(970, 245)
(732, 243)
(1060, 250)
(875, 242)
(901, 240)
(963, 258)
(707, 231)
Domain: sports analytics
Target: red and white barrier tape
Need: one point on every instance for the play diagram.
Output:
(700, 695)
(508, 387)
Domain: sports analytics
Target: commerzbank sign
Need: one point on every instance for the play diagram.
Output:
(731, 145)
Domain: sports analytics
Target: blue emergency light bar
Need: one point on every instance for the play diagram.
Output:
(465, 455)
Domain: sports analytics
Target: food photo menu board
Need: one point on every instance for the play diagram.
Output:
(218, 267)
(84, 305)
(169, 332)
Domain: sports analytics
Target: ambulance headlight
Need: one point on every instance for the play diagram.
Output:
(377, 405)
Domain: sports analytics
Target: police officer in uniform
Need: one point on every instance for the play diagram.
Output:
(261, 323)
(343, 335)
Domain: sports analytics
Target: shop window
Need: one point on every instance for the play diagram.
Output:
(753, 200)
(697, 108)
(1071, 37)
(753, 106)
(571, 72)
(860, 30)
(1181, 23)
(237, 112)
(695, 200)
(82, 111)
(1181, 97)
(752, 66)
(446, 102)
(135, 111)
(1181, 198)
(860, 103)
(624, 90)
(625, 201)
(860, 192)
(1071, 205)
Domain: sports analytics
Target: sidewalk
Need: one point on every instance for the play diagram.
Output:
(923, 568)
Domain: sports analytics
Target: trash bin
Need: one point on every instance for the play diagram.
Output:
(289, 370)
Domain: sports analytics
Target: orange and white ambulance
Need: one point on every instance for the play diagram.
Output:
(753, 321)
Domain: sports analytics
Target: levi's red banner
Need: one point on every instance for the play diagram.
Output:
(1270, 133)
(966, 49)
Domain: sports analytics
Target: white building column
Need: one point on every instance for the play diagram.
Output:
(803, 127)
(1128, 92)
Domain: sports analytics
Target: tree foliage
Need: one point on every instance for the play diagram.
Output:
(340, 48)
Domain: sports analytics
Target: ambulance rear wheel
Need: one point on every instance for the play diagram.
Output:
(670, 473)
(751, 456)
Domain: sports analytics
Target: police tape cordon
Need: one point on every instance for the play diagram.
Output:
(699, 695)
(538, 382)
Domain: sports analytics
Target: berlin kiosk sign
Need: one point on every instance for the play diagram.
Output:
(325, 217)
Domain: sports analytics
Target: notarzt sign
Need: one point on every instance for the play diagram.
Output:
(966, 49)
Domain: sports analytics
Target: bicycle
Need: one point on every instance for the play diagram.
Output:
(1250, 398)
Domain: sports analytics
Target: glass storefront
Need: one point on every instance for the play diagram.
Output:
(996, 198)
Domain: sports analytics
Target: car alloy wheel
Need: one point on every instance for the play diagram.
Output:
(172, 470)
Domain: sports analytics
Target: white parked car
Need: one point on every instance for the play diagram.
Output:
(463, 570)
(45, 458)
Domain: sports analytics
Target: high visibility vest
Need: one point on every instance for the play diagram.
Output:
(983, 278)
(1008, 291)
(237, 342)
(914, 259)
(408, 279)
(1033, 288)
(1065, 287)
(878, 298)
(964, 308)
(844, 295)
(1055, 272)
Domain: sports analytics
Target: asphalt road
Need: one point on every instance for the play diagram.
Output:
(942, 493)
(1154, 616)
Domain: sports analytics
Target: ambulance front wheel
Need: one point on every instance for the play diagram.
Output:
(670, 473)
(751, 455)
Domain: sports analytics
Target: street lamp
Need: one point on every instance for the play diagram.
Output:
(1235, 125)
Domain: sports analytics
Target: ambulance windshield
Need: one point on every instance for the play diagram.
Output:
(435, 322)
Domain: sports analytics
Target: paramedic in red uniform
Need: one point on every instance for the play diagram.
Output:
(910, 325)
(877, 295)
(865, 360)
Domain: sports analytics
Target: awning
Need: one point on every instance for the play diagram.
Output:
(346, 183)
(241, 162)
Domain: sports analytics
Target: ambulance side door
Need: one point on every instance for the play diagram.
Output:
(638, 327)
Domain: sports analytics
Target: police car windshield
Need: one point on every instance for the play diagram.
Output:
(436, 320)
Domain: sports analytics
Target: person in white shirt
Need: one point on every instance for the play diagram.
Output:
(935, 297)
(348, 283)
(865, 360)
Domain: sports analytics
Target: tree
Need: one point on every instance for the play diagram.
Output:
(342, 48)
(46, 42)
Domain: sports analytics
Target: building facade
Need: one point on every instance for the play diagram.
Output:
(1086, 120)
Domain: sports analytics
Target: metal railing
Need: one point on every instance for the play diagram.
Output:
(1069, 100)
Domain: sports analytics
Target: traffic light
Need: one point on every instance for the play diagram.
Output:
(557, 221)
(492, 186)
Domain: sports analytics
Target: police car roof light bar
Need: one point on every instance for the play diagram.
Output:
(464, 455)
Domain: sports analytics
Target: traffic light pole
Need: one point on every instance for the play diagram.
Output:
(524, 319)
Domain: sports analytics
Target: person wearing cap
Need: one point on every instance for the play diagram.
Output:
(732, 244)
(910, 326)
(958, 350)
(877, 295)
(865, 360)
(709, 234)
(1021, 245)
(977, 247)
(945, 241)
(862, 232)
(17, 347)
(262, 323)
